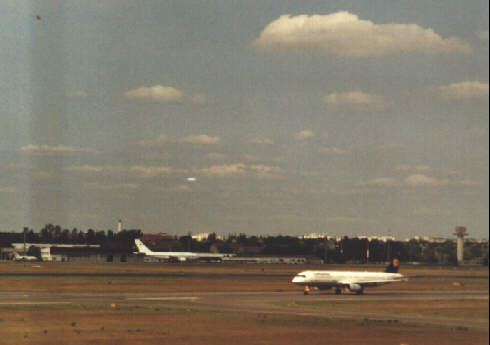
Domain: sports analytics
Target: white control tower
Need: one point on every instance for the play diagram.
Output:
(460, 233)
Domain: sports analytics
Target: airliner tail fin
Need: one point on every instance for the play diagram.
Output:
(393, 266)
(141, 246)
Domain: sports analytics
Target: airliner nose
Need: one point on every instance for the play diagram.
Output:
(298, 279)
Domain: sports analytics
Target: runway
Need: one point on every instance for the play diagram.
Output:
(279, 302)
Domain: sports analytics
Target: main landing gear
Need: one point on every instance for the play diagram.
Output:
(338, 291)
(307, 290)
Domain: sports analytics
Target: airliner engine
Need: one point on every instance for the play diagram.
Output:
(355, 288)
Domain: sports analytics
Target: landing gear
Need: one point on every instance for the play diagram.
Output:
(307, 290)
(338, 291)
(360, 292)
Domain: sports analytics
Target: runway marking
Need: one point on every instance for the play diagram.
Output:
(32, 303)
(192, 299)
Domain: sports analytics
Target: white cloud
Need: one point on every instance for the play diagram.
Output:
(382, 182)
(482, 35)
(357, 100)
(344, 34)
(468, 183)
(198, 100)
(418, 180)
(304, 134)
(216, 156)
(141, 171)
(464, 90)
(415, 180)
(264, 171)
(225, 170)
(260, 140)
(332, 151)
(250, 158)
(114, 187)
(158, 141)
(242, 170)
(405, 167)
(192, 139)
(85, 169)
(8, 190)
(155, 94)
(47, 149)
(182, 188)
(425, 211)
(150, 171)
(200, 139)
(78, 95)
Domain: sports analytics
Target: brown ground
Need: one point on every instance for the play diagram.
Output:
(158, 324)
(222, 277)
(464, 309)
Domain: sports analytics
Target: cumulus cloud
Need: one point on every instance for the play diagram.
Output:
(198, 100)
(202, 139)
(425, 211)
(423, 180)
(344, 34)
(415, 180)
(261, 140)
(163, 94)
(78, 95)
(8, 190)
(242, 170)
(332, 151)
(464, 90)
(264, 171)
(405, 167)
(216, 156)
(141, 171)
(47, 149)
(304, 134)
(382, 181)
(114, 187)
(155, 94)
(181, 188)
(85, 169)
(482, 35)
(158, 141)
(224, 170)
(357, 100)
(149, 171)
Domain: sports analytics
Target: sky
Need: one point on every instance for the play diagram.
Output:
(259, 117)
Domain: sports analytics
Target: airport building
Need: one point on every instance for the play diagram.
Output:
(49, 252)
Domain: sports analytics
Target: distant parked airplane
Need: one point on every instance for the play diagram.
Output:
(18, 257)
(177, 256)
(351, 281)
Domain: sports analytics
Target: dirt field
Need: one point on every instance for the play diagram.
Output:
(156, 325)
(158, 322)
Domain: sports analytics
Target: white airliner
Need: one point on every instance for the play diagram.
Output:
(350, 281)
(178, 256)
(18, 257)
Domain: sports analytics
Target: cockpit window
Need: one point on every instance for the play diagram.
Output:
(301, 275)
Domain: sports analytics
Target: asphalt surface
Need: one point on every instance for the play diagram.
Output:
(268, 303)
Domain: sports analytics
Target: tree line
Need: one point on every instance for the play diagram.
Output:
(121, 241)
(347, 250)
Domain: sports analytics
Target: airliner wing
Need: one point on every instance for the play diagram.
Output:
(367, 281)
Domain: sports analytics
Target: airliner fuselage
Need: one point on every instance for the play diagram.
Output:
(350, 280)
